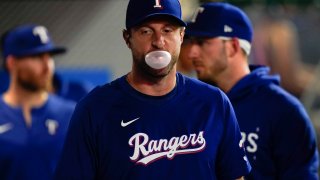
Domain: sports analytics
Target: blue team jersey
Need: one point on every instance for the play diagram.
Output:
(117, 132)
(278, 134)
(31, 153)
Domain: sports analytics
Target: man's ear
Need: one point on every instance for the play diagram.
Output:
(10, 63)
(182, 33)
(235, 47)
(126, 36)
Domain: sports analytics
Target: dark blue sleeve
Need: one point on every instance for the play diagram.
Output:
(295, 147)
(78, 159)
(232, 162)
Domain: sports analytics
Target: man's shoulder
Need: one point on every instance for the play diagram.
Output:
(275, 93)
(198, 87)
(108, 91)
(203, 92)
(277, 101)
(61, 103)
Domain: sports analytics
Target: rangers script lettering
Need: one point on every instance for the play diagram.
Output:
(156, 149)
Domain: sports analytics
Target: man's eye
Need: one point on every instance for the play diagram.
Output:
(200, 42)
(168, 30)
(146, 31)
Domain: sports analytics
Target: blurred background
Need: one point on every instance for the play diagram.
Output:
(286, 38)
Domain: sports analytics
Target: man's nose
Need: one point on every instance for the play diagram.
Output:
(158, 40)
(47, 60)
(194, 51)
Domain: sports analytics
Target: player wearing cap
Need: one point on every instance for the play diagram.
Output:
(33, 123)
(153, 123)
(67, 89)
(276, 130)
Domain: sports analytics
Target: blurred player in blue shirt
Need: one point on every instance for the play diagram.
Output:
(276, 130)
(67, 89)
(154, 123)
(33, 123)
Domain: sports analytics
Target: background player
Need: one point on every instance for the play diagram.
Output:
(184, 64)
(277, 132)
(33, 123)
(153, 123)
(67, 89)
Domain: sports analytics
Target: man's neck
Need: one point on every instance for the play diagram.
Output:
(152, 86)
(26, 100)
(232, 76)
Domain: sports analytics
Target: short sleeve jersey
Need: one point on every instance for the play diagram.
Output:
(32, 152)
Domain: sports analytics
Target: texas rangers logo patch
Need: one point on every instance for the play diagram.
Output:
(52, 126)
(147, 151)
(157, 4)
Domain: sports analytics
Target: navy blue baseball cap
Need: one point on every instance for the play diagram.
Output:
(218, 19)
(28, 40)
(140, 10)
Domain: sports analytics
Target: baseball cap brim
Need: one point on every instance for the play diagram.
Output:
(155, 15)
(44, 49)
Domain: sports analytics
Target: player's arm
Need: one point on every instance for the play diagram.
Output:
(77, 160)
(295, 148)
